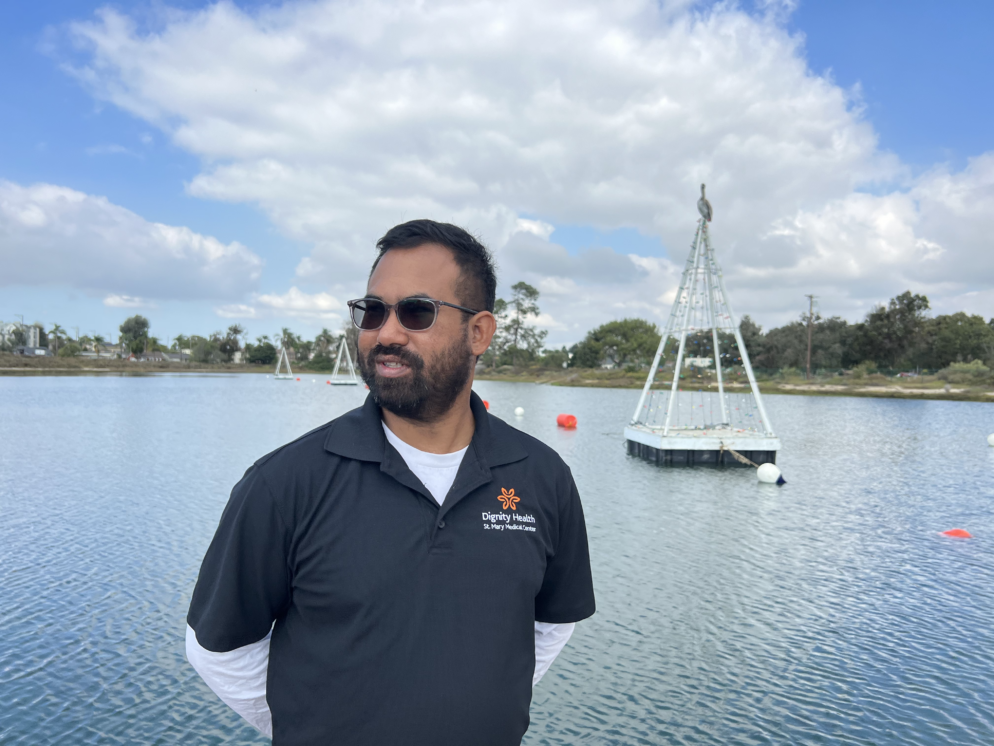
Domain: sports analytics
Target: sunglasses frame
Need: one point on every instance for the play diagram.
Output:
(393, 307)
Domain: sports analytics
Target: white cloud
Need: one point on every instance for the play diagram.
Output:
(342, 119)
(54, 235)
(236, 311)
(111, 149)
(293, 304)
(125, 301)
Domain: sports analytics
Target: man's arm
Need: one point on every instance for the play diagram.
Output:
(243, 586)
(550, 639)
(238, 677)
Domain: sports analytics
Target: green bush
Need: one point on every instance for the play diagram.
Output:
(70, 350)
(322, 363)
(864, 369)
(790, 372)
(972, 372)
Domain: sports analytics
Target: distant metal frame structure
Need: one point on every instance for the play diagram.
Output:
(353, 379)
(702, 287)
(279, 364)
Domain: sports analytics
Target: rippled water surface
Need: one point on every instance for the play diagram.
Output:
(825, 611)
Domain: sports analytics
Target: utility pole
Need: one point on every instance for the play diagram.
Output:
(811, 313)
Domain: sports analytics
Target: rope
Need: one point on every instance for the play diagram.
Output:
(738, 456)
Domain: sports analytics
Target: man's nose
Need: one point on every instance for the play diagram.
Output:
(392, 333)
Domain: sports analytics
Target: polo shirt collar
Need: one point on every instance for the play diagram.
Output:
(359, 435)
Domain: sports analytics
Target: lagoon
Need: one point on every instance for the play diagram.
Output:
(828, 610)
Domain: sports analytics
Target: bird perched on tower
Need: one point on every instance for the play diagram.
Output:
(704, 207)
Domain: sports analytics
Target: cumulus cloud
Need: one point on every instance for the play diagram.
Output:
(293, 304)
(125, 301)
(341, 119)
(54, 235)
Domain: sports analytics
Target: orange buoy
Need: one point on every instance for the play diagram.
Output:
(328, 382)
(486, 404)
(958, 533)
(566, 420)
(298, 379)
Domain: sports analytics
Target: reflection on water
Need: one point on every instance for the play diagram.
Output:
(825, 611)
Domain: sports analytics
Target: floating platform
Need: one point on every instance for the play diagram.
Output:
(699, 447)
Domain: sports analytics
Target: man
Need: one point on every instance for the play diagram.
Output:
(404, 574)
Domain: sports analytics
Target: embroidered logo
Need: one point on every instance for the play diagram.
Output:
(508, 499)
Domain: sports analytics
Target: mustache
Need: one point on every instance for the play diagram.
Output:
(411, 359)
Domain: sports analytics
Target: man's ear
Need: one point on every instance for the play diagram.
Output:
(482, 328)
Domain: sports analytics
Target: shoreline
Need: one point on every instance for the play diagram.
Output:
(881, 389)
(579, 378)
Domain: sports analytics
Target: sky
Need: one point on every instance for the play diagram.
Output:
(207, 164)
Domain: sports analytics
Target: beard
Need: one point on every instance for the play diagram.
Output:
(429, 391)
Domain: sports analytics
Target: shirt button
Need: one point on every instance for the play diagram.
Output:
(441, 524)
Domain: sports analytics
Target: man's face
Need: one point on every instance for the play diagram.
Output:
(417, 375)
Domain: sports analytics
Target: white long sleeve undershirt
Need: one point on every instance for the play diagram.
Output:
(238, 677)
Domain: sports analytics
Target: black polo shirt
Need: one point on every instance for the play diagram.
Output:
(397, 622)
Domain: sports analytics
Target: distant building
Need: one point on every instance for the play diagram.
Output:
(697, 362)
(176, 357)
(152, 357)
(33, 351)
(238, 358)
(32, 334)
(7, 333)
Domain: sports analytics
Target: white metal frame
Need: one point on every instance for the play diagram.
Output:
(702, 282)
(279, 363)
(353, 379)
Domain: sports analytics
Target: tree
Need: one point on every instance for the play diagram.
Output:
(134, 333)
(957, 338)
(554, 358)
(229, 344)
(626, 342)
(892, 336)
(499, 343)
(522, 338)
(290, 342)
(787, 346)
(70, 350)
(324, 341)
(206, 350)
(262, 352)
(55, 333)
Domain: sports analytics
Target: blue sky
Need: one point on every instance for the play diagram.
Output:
(914, 78)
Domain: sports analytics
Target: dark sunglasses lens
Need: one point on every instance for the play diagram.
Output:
(369, 314)
(416, 315)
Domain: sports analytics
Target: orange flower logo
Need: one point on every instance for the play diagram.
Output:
(508, 499)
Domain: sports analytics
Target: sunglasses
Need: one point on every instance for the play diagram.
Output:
(414, 314)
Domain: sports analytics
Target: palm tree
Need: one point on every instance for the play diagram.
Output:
(55, 332)
(324, 341)
(97, 340)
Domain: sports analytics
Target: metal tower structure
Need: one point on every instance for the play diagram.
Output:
(702, 418)
(280, 362)
(352, 379)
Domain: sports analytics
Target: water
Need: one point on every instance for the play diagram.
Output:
(825, 611)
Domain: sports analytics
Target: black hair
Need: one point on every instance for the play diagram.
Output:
(478, 277)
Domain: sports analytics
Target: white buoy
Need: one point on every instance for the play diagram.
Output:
(520, 412)
(768, 473)
(990, 439)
